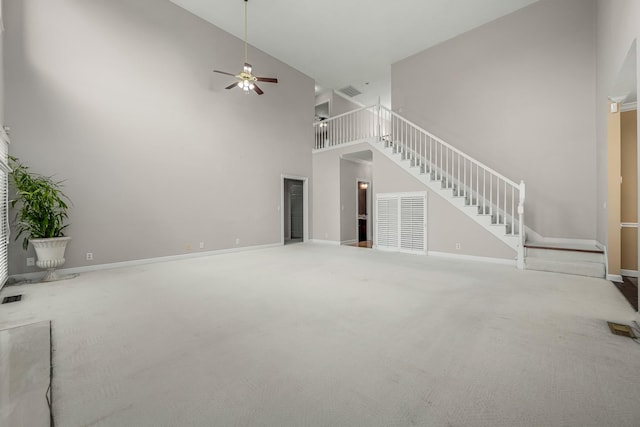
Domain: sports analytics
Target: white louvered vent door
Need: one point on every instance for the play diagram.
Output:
(387, 222)
(412, 224)
(401, 222)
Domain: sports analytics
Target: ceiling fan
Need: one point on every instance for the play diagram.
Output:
(246, 80)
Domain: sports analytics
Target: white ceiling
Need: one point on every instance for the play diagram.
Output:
(349, 42)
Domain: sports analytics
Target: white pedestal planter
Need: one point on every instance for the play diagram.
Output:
(50, 254)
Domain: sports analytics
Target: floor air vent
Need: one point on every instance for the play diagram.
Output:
(14, 298)
(350, 91)
(622, 330)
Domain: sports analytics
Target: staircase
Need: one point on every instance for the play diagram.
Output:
(493, 201)
(580, 259)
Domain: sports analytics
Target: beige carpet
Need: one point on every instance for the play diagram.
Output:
(311, 335)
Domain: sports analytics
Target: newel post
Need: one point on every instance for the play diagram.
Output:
(521, 232)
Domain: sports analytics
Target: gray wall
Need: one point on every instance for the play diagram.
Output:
(119, 99)
(1, 72)
(326, 192)
(518, 95)
(337, 103)
(340, 105)
(618, 27)
(350, 172)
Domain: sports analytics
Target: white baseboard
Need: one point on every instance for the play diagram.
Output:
(614, 278)
(325, 242)
(629, 273)
(461, 257)
(565, 241)
(349, 242)
(75, 270)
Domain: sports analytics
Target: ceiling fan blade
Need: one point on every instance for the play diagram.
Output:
(257, 90)
(267, 79)
(231, 86)
(224, 72)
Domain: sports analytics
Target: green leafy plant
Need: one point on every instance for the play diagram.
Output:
(42, 206)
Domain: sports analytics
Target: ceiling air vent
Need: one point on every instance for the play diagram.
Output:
(350, 91)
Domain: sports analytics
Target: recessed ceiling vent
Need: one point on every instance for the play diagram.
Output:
(350, 91)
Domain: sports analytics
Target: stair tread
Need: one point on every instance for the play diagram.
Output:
(580, 268)
(573, 247)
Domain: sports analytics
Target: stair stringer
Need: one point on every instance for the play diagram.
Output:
(485, 221)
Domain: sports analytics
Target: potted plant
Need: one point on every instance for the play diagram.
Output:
(41, 216)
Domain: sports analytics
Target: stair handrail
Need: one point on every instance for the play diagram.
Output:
(452, 148)
(333, 118)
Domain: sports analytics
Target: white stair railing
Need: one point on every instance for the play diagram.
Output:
(352, 126)
(493, 194)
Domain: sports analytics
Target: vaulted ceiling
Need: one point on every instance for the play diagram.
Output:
(349, 42)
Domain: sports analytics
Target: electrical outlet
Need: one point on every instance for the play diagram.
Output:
(458, 246)
(237, 241)
(31, 261)
(201, 245)
(89, 256)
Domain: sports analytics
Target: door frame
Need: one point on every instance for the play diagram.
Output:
(369, 209)
(305, 205)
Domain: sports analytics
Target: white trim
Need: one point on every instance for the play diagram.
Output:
(137, 262)
(305, 206)
(325, 242)
(629, 273)
(501, 261)
(628, 106)
(614, 277)
(628, 225)
(349, 242)
(606, 258)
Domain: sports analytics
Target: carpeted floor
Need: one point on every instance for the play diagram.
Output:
(312, 335)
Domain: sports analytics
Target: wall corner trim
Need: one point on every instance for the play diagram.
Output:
(614, 278)
(629, 273)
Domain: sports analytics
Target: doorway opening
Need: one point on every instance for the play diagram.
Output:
(356, 212)
(623, 199)
(363, 209)
(294, 210)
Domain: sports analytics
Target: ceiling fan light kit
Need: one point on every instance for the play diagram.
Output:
(246, 78)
